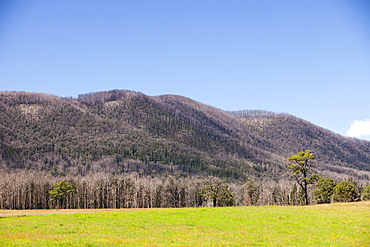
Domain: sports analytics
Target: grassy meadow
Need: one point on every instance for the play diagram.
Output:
(320, 225)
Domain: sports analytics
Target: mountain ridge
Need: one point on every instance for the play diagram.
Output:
(122, 131)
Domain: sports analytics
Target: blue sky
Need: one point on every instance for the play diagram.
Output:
(308, 58)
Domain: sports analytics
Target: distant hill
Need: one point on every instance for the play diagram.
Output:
(124, 131)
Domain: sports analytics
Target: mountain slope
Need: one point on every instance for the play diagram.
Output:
(124, 131)
(286, 134)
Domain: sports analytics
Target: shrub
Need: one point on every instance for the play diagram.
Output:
(325, 190)
(345, 191)
(365, 196)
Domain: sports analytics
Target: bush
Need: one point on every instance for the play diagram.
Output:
(345, 191)
(325, 190)
(365, 196)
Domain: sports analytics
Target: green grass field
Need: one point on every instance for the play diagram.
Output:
(325, 225)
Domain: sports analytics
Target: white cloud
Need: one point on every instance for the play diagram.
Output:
(359, 129)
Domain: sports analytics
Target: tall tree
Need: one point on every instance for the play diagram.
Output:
(301, 166)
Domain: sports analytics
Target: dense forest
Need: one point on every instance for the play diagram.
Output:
(119, 144)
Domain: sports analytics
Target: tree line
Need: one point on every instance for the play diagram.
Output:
(40, 190)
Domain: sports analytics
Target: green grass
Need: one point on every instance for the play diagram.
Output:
(329, 225)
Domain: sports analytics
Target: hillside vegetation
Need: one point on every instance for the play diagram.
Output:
(123, 131)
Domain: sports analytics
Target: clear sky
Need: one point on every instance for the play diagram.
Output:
(308, 58)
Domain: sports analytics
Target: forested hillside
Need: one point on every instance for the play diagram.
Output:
(284, 133)
(124, 131)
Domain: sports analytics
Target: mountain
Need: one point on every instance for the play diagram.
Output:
(124, 131)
